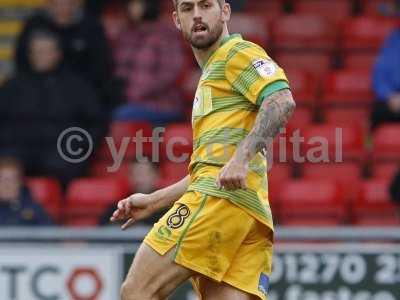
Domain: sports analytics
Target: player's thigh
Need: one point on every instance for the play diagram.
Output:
(212, 290)
(153, 276)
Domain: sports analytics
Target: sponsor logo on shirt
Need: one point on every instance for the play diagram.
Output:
(265, 67)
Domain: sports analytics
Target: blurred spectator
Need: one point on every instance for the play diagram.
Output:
(143, 178)
(83, 41)
(40, 103)
(16, 204)
(149, 59)
(395, 188)
(387, 82)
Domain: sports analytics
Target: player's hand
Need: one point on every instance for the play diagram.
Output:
(233, 176)
(133, 209)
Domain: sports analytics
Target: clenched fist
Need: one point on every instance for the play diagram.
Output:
(233, 175)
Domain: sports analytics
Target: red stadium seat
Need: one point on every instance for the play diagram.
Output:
(120, 130)
(123, 134)
(343, 142)
(304, 32)
(190, 82)
(359, 60)
(342, 115)
(374, 206)
(245, 25)
(303, 86)
(336, 11)
(348, 87)
(384, 170)
(270, 9)
(48, 192)
(82, 222)
(281, 151)
(315, 63)
(90, 197)
(312, 201)
(347, 175)
(278, 175)
(178, 141)
(365, 33)
(387, 142)
(103, 168)
(301, 118)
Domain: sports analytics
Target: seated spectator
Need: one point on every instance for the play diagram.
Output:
(395, 188)
(16, 204)
(143, 178)
(83, 40)
(386, 83)
(149, 60)
(37, 105)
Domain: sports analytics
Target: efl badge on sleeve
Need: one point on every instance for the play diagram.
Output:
(265, 67)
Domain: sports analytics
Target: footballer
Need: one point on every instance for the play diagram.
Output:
(219, 230)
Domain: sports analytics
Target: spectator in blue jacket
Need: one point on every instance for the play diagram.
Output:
(17, 208)
(386, 82)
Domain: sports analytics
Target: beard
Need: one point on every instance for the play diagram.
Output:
(205, 42)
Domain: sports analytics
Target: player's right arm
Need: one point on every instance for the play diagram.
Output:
(140, 206)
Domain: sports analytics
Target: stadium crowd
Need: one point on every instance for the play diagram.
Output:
(114, 68)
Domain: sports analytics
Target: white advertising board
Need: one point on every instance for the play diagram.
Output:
(45, 273)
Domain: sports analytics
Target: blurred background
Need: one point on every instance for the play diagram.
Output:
(119, 68)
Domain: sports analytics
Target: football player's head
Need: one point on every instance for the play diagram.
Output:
(201, 21)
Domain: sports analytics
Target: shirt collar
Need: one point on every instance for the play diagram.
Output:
(223, 42)
(230, 37)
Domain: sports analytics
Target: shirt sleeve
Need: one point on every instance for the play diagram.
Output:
(252, 73)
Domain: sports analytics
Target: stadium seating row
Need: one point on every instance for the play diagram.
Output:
(307, 41)
(330, 9)
(386, 145)
(328, 193)
(325, 195)
(350, 87)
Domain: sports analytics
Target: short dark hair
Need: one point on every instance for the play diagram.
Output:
(220, 2)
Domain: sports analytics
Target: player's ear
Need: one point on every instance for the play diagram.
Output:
(226, 12)
(177, 22)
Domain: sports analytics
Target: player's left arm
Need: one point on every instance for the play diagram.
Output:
(274, 113)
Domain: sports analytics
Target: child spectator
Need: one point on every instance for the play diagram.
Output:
(143, 178)
(17, 208)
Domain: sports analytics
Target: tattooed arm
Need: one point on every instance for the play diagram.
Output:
(273, 115)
